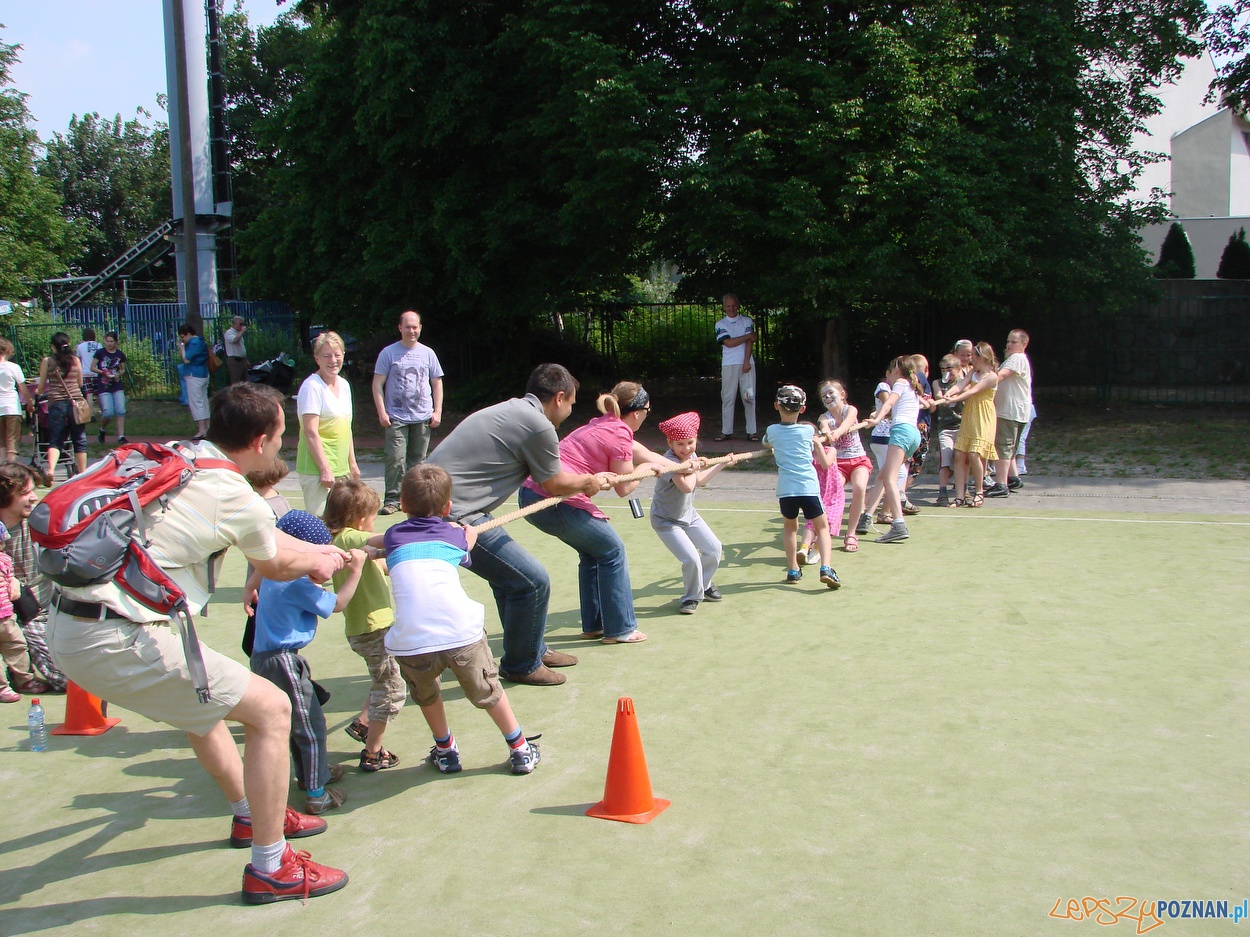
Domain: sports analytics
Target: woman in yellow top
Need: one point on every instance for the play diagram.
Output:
(324, 406)
(974, 445)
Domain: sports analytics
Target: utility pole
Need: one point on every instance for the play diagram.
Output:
(186, 182)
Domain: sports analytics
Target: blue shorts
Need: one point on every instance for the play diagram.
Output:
(809, 504)
(906, 437)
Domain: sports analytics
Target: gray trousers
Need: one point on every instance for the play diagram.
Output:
(407, 444)
(699, 552)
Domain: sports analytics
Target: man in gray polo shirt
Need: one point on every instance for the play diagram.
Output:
(488, 455)
(408, 395)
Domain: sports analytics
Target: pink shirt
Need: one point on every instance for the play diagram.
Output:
(589, 449)
(6, 576)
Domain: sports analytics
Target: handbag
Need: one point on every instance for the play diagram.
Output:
(213, 361)
(26, 607)
(81, 408)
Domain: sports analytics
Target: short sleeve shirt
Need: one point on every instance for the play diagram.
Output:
(334, 424)
(233, 341)
(408, 395)
(10, 377)
(1015, 392)
(792, 450)
(589, 449)
(86, 351)
(491, 453)
(287, 613)
(907, 408)
(882, 430)
(216, 510)
(107, 362)
(670, 506)
(370, 607)
(733, 327)
(432, 611)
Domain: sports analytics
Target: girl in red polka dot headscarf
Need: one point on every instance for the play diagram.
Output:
(675, 521)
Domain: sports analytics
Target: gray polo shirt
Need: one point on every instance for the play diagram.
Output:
(493, 451)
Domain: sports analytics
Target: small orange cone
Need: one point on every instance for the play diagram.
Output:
(627, 793)
(84, 714)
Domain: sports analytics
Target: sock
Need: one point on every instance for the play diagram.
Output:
(267, 858)
(317, 792)
(516, 739)
(241, 808)
(446, 743)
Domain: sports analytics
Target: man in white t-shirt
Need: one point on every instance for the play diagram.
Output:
(236, 350)
(408, 395)
(735, 333)
(1011, 402)
(86, 354)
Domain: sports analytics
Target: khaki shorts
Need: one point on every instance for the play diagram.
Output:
(387, 693)
(1007, 438)
(141, 667)
(473, 665)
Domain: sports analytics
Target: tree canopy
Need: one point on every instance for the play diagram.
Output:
(1228, 36)
(35, 240)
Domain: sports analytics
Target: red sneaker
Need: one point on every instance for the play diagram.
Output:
(295, 826)
(297, 877)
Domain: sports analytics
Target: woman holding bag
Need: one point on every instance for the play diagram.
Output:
(194, 351)
(60, 377)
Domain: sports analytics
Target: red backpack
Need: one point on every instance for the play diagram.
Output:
(94, 529)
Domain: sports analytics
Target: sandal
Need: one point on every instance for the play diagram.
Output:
(958, 503)
(723, 438)
(591, 635)
(975, 501)
(754, 437)
(378, 762)
(851, 544)
(357, 730)
(634, 637)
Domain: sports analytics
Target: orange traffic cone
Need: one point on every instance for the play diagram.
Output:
(84, 714)
(627, 793)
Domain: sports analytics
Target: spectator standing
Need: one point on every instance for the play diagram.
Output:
(326, 452)
(735, 333)
(408, 395)
(13, 394)
(1013, 403)
(60, 377)
(194, 352)
(86, 352)
(109, 365)
(236, 350)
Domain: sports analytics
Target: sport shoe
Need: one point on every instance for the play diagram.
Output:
(122, 440)
(357, 730)
(909, 509)
(1014, 483)
(294, 826)
(389, 508)
(712, 594)
(896, 533)
(688, 607)
(813, 555)
(864, 523)
(446, 760)
(525, 759)
(830, 578)
(801, 556)
(9, 695)
(379, 761)
(100, 437)
(997, 491)
(794, 575)
(333, 797)
(942, 500)
(297, 877)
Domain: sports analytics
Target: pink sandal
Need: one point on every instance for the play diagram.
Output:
(851, 544)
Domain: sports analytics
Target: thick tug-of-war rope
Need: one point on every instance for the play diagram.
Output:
(633, 476)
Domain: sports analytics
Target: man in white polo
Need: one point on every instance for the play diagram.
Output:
(735, 333)
(236, 350)
(408, 395)
(1012, 401)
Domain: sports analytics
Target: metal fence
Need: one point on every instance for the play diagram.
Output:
(148, 334)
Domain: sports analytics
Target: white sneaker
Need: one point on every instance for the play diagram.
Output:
(813, 555)
(802, 557)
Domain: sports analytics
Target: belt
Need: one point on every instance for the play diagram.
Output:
(97, 611)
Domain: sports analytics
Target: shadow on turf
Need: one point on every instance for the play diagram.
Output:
(564, 810)
(43, 917)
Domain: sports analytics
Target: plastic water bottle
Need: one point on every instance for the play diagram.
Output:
(38, 733)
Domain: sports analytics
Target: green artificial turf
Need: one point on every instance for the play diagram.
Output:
(1002, 712)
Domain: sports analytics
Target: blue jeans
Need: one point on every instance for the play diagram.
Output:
(603, 571)
(522, 590)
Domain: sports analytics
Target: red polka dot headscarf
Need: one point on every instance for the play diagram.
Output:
(682, 426)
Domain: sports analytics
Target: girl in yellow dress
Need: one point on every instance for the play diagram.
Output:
(975, 443)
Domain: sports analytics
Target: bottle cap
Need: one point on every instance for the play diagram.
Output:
(35, 701)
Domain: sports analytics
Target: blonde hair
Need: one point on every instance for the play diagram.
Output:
(985, 351)
(906, 365)
(617, 401)
(328, 338)
(948, 362)
(349, 501)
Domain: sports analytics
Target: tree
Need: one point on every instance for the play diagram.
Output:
(1176, 256)
(113, 179)
(1228, 37)
(34, 238)
(1235, 261)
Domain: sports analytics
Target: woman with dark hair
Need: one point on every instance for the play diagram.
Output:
(605, 444)
(194, 351)
(60, 377)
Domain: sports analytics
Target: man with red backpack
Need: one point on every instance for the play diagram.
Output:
(121, 650)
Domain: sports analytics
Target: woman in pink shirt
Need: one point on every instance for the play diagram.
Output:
(604, 445)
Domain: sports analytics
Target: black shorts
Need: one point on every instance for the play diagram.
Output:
(809, 504)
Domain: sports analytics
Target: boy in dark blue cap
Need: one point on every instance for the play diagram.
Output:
(286, 621)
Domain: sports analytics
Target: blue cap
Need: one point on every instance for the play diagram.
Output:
(304, 526)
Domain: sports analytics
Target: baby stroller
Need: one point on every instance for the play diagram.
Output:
(40, 433)
(278, 373)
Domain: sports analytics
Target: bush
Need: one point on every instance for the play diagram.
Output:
(1176, 256)
(1235, 261)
